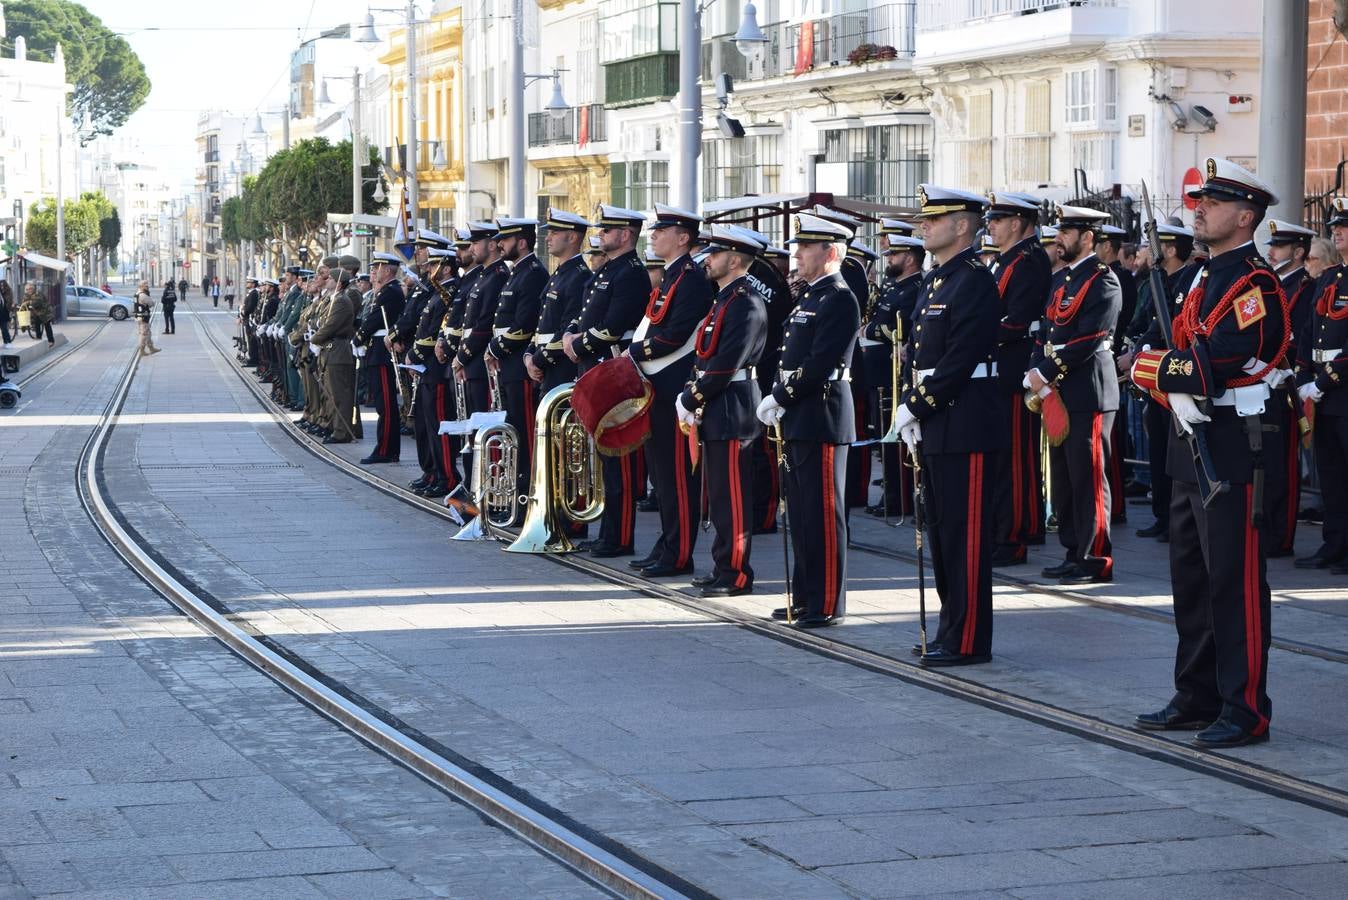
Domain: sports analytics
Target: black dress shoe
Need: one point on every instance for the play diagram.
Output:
(1320, 559)
(435, 489)
(772, 529)
(725, 589)
(419, 483)
(610, 551)
(940, 657)
(650, 504)
(1225, 733)
(817, 620)
(588, 544)
(1171, 718)
(1006, 556)
(332, 440)
(405, 430)
(644, 561)
(704, 580)
(780, 613)
(1063, 568)
(372, 459)
(1154, 530)
(1079, 575)
(665, 570)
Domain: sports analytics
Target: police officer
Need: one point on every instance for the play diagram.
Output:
(381, 382)
(1321, 372)
(1023, 273)
(953, 415)
(1288, 246)
(812, 405)
(479, 316)
(1075, 357)
(718, 404)
(513, 330)
(767, 276)
(563, 294)
(1228, 340)
(662, 346)
(614, 303)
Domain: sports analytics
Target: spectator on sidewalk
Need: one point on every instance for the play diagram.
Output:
(215, 292)
(229, 291)
(39, 311)
(6, 311)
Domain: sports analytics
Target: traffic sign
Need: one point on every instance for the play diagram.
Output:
(1193, 179)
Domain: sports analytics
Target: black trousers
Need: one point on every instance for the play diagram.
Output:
(1221, 607)
(1282, 470)
(448, 448)
(767, 490)
(1331, 462)
(520, 402)
(383, 395)
(897, 480)
(816, 477)
(958, 514)
(170, 326)
(1118, 508)
(859, 460)
(676, 484)
(1081, 491)
(1160, 429)
(618, 523)
(1017, 491)
(251, 340)
(424, 427)
(728, 470)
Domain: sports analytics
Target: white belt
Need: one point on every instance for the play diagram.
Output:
(1325, 356)
(381, 332)
(1248, 400)
(629, 335)
(542, 340)
(740, 375)
(651, 366)
(1034, 327)
(497, 332)
(1103, 345)
(982, 370)
(867, 342)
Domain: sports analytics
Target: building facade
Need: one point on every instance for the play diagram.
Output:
(1326, 106)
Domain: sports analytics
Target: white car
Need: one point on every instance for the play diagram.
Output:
(82, 300)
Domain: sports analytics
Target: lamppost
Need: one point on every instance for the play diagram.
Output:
(366, 35)
(556, 108)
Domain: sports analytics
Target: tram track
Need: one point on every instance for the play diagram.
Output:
(596, 858)
(51, 361)
(1150, 745)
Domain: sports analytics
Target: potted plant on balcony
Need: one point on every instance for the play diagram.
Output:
(871, 53)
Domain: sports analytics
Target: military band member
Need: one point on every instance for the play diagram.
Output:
(1109, 247)
(719, 403)
(1228, 339)
(953, 416)
(337, 362)
(1075, 356)
(767, 275)
(545, 360)
(595, 256)
(513, 331)
(812, 403)
(400, 341)
(271, 300)
(247, 310)
(1321, 373)
(479, 317)
(1023, 274)
(882, 338)
(381, 380)
(1288, 246)
(662, 346)
(1048, 239)
(614, 302)
(351, 265)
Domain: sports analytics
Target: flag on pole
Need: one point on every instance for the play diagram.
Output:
(403, 232)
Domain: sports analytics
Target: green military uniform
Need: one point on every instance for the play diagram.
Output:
(337, 362)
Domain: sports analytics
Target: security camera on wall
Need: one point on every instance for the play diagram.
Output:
(729, 127)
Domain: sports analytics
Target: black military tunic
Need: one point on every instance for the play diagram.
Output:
(853, 271)
(880, 333)
(1321, 359)
(380, 378)
(435, 404)
(515, 324)
(615, 299)
(1076, 356)
(724, 393)
(770, 283)
(1119, 441)
(562, 298)
(1023, 275)
(1282, 450)
(950, 385)
(411, 382)
(479, 318)
(664, 351)
(818, 425)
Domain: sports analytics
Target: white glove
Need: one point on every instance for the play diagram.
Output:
(770, 411)
(1025, 382)
(315, 349)
(1186, 411)
(257, 331)
(683, 413)
(911, 434)
(1309, 390)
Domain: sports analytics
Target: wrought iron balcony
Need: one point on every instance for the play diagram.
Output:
(580, 125)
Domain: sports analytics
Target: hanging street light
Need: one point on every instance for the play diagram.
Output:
(750, 40)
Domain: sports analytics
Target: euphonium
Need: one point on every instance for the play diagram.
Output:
(495, 469)
(892, 435)
(568, 485)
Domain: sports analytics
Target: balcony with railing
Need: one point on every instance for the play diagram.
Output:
(970, 29)
(1029, 160)
(580, 125)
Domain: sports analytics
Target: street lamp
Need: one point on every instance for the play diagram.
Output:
(557, 106)
(750, 40)
(366, 34)
(556, 109)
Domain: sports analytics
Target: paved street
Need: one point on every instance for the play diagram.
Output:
(142, 759)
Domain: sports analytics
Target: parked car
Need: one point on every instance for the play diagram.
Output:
(82, 300)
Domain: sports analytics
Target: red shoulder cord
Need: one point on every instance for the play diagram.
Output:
(1189, 326)
(658, 306)
(1063, 316)
(1004, 278)
(706, 344)
(1324, 305)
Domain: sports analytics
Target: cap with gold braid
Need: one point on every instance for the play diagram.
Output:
(896, 227)
(837, 216)
(814, 230)
(508, 227)
(1338, 212)
(481, 231)
(903, 243)
(428, 238)
(1008, 203)
(463, 237)
(561, 220)
(1280, 232)
(857, 250)
(1081, 217)
(1228, 181)
(617, 217)
(935, 200)
(670, 216)
(734, 237)
(1048, 234)
(595, 249)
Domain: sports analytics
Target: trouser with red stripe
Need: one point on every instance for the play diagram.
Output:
(518, 397)
(1331, 452)
(618, 523)
(859, 460)
(897, 480)
(1221, 607)
(1018, 501)
(1282, 471)
(383, 393)
(766, 489)
(1160, 429)
(1118, 511)
(816, 476)
(729, 467)
(446, 447)
(1081, 491)
(676, 484)
(425, 427)
(958, 514)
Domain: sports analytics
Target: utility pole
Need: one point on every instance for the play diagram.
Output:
(413, 194)
(1282, 106)
(516, 94)
(690, 102)
(357, 167)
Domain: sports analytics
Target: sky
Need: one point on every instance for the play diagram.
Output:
(232, 55)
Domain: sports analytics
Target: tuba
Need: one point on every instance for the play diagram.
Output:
(567, 482)
(495, 466)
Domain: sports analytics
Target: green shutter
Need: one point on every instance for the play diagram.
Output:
(618, 177)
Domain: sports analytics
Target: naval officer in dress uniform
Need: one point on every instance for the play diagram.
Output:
(811, 401)
(953, 416)
(1075, 356)
(381, 380)
(545, 360)
(1229, 337)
